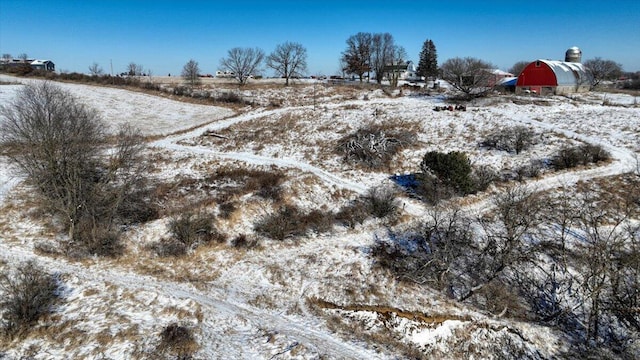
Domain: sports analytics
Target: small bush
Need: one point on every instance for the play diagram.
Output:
(28, 294)
(181, 90)
(531, 170)
(226, 209)
(511, 139)
(169, 247)
(356, 212)
(570, 157)
(266, 184)
(483, 176)
(432, 190)
(291, 221)
(177, 340)
(192, 229)
(381, 201)
(453, 168)
(95, 240)
(594, 153)
(187, 232)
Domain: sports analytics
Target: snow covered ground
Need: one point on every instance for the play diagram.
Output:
(267, 302)
(153, 115)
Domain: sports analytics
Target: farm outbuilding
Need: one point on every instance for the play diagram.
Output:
(554, 77)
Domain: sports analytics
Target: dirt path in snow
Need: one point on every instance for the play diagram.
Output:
(213, 304)
(623, 160)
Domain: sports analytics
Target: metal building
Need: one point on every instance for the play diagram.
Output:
(547, 77)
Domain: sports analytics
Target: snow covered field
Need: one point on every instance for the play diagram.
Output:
(152, 115)
(275, 301)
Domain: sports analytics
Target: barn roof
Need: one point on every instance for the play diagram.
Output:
(568, 73)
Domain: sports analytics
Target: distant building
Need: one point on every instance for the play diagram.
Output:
(405, 71)
(496, 77)
(225, 74)
(47, 65)
(555, 77)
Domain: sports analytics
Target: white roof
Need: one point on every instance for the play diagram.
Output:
(40, 62)
(500, 72)
(568, 73)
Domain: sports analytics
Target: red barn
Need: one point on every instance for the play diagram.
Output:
(554, 77)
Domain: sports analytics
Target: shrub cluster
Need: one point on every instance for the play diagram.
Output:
(29, 293)
(379, 202)
(511, 139)
(436, 252)
(187, 232)
(266, 184)
(570, 157)
(290, 221)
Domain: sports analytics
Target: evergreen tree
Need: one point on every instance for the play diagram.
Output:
(428, 63)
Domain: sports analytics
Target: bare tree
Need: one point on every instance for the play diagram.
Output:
(95, 69)
(603, 261)
(357, 56)
(382, 48)
(23, 57)
(243, 62)
(602, 70)
(396, 60)
(468, 75)
(134, 69)
(517, 68)
(288, 60)
(60, 146)
(507, 231)
(190, 73)
(6, 57)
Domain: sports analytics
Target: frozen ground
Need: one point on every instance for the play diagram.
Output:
(262, 303)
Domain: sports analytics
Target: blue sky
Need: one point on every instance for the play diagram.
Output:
(163, 35)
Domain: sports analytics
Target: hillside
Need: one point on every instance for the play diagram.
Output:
(325, 292)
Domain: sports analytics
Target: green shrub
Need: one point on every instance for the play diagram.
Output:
(453, 168)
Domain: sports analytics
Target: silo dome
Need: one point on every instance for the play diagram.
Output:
(573, 54)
